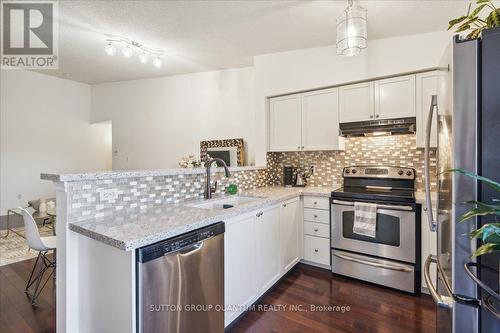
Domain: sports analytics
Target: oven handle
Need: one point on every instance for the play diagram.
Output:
(375, 264)
(389, 207)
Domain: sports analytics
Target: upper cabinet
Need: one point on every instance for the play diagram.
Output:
(306, 121)
(427, 85)
(381, 99)
(285, 122)
(320, 120)
(356, 102)
(395, 97)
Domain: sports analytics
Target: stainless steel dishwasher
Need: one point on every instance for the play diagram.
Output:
(180, 283)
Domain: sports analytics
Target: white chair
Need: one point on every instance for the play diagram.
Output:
(43, 245)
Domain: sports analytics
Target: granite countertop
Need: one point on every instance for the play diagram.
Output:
(131, 230)
(75, 177)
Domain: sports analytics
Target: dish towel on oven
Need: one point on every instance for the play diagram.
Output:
(365, 219)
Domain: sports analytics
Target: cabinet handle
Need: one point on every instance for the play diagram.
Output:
(315, 229)
(259, 214)
(371, 116)
(376, 116)
(425, 209)
(284, 205)
(302, 147)
(315, 202)
(316, 250)
(315, 216)
(298, 147)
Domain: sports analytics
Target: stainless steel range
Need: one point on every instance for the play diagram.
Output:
(392, 257)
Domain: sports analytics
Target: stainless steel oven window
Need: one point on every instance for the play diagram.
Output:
(405, 251)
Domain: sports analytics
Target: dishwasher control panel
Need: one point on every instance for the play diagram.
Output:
(167, 246)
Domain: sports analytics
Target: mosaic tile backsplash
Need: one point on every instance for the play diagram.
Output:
(396, 150)
(145, 192)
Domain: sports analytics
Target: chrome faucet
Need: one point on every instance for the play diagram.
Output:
(209, 189)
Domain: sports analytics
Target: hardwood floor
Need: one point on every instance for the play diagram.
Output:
(372, 308)
(17, 315)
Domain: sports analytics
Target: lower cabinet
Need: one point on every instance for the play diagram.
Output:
(290, 234)
(317, 249)
(240, 287)
(267, 231)
(259, 247)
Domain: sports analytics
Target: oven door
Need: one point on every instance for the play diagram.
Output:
(395, 233)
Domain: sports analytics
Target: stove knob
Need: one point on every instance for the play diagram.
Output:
(408, 173)
(347, 171)
(354, 171)
(400, 172)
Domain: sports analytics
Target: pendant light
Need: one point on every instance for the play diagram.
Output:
(351, 30)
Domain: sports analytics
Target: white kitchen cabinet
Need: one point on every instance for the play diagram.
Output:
(306, 121)
(285, 123)
(267, 231)
(289, 234)
(317, 250)
(240, 269)
(427, 84)
(356, 102)
(429, 246)
(320, 121)
(395, 97)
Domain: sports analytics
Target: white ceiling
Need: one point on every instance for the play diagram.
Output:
(211, 35)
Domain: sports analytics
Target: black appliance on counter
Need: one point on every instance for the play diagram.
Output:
(288, 176)
(392, 257)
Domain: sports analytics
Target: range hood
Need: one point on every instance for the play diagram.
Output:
(379, 127)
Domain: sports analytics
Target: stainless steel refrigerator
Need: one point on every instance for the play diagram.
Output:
(469, 139)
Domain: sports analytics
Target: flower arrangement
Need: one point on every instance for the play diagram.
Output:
(190, 162)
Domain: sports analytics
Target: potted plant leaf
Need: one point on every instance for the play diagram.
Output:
(474, 22)
(489, 233)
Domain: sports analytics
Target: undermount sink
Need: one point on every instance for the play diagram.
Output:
(224, 203)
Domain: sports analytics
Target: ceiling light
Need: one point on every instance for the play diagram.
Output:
(143, 58)
(351, 30)
(157, 62)
(127, 51)
(129, 48)
(110, 49)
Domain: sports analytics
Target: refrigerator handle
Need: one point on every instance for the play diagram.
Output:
(428, 201)
(440, 300)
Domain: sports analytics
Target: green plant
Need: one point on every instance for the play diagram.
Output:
(488, 233)
(473, 22)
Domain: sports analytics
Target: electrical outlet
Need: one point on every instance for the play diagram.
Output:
(109, 194)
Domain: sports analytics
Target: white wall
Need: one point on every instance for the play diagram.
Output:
(304, 69)
(157, 121)
(45, 127)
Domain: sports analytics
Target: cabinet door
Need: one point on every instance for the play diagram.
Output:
(395, 97)
(320, 120)
(240, 287)
(289, 234)
(285, 123)
(268, 248)
(356, 102)
(426, 86)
